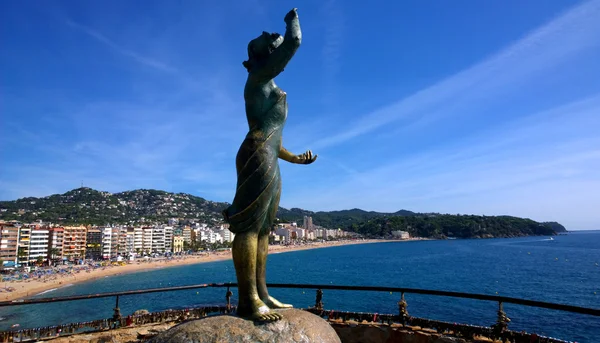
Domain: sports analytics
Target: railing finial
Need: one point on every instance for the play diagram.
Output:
(502, 321)
(402, 310)
(319, 300)
(228, 298)
(117, 315)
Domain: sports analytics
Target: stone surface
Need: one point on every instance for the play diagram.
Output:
(349, 332)
(297, 326)
(122, 335)
(381, 333)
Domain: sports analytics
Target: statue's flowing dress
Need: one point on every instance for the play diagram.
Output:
(258, 179)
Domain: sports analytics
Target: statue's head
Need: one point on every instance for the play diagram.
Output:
(261, 47)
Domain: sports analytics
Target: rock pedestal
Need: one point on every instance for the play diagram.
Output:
(297, 326)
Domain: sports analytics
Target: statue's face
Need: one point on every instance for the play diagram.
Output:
(264, 44)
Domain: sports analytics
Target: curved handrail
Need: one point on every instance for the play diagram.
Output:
(496, 298)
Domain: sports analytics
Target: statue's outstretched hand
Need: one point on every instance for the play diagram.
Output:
(291, 15)
(306, 158)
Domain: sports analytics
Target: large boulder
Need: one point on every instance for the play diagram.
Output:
(297, 326)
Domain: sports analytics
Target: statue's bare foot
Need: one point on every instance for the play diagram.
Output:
(258, 311)
(274, 303)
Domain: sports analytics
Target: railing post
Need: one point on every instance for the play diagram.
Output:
(402, 310)
(502, 321)
(319, 300)
(117, 314)
(228, 298)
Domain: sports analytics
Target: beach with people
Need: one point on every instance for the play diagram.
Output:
(20, 284)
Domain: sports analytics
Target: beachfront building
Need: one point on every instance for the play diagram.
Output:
(94, 245)
(158, 239)
(147, 239)
(55, 243)
(202, 235)
(300, 233)
(187, 234)
(226, 234)
(74, 242)
(9, 243)
(130, 241)
(23, 248)
(106, 242)
(215, 237)
(138, 240)
(329, 233)
(177, 244)
(168, 238)
(38, 245)
(284, 234)
(121, 240)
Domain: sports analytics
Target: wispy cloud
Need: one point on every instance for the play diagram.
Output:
(528, 162)
(567, 35)
(144, 60)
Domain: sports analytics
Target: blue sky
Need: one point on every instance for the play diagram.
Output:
(478, 107)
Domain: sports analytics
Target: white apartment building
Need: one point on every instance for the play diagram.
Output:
(226, 234)
(158, 239)
(168, 238)
(284, 233)
(214, 237)
(147, 239)
(38, 244)
(138, 239)
(106, 242)
(299, 233)
(202, 235)
(130, 241)
(187, 234)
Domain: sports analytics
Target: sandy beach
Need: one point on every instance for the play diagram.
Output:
(24, 289)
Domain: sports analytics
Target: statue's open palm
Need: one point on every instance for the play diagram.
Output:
(307, 158)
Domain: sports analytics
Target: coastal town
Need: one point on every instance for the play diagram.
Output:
(40, 257)
(43, 244)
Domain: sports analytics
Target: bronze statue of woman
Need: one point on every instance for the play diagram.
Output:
(252, 213)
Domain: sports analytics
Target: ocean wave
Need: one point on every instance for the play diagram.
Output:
(47, 291)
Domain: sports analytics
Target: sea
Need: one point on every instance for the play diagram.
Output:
(565, 269)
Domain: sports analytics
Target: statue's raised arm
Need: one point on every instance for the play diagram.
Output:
(270, 52)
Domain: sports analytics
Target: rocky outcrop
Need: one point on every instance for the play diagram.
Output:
(297, 326)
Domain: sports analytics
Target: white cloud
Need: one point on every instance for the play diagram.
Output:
(564, 37)
(148, 61)
(528, 162)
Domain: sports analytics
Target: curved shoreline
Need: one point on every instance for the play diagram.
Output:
(30, 288)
